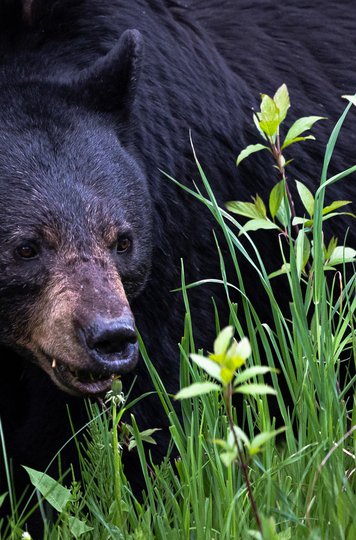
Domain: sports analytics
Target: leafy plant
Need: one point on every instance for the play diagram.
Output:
(269, 121)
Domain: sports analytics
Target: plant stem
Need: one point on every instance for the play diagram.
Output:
(117, 465)
(243, 463)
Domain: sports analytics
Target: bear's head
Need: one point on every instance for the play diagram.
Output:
(75, 221)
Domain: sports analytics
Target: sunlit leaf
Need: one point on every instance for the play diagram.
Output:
(262, 438)
(251, 372)
(302, 221)
(256, 224)
(342, 255)
(334, 206)
(228, 457)
(296, 140)
(269, 116)
(306, 197)
(197, 389)
(260, 206)
(246, 209)
(299, 126)
(281, 99)
(212, 368)
(223, 340)
(255, 389)
(251, 149)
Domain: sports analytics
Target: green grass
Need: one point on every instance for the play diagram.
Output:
(303, 485)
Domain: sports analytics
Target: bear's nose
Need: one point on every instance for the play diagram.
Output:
(112, 343)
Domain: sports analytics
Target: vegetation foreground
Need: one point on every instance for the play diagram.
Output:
(231, 478)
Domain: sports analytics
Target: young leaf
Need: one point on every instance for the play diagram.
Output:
(197, 389)
(228, 457)
(302, 221)
(255, 389)
(246, 209)
(256, 119)
(260, 206)
(54, 493)
(223, 340)
(251, 149)
(307, 197)
(332, 245)
(269, 116)
(275, 198)
(281, 99)
(334, 206)
(212, 368)
(256, 224)
(297, 139)
(262, 438)
(251, 372)
(342, 255)
(299, 126)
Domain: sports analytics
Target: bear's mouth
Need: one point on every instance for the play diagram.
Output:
(81, 381)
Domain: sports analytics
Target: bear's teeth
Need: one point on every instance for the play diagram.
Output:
(54, 363)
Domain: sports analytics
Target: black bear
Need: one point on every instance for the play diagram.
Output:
(96, 99)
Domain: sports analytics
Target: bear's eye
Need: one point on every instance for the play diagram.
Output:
(123, 244)
(27, 251)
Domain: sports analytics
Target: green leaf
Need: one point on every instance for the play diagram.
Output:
(255, 389)
(302, 247)
(281, 99)
(342, 255)
(302, 221)
(54, 493)
(228, 457)
(223, 340)
(251, 149)
(2, 498)
(260, 206)
(297, 139)
(256, 119)
(283, 213)
(299, 126)
(212, 368)
(256, 224)
(334, 206)
(240, 436)
(275, 198)
(197, 389)
(262, 438)
(269, 116)
(78, 527)
(306, 197)
(251, 372)
(246, 209)
(285, 268)
(332, 245)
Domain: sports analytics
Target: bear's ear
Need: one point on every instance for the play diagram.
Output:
(110, 84)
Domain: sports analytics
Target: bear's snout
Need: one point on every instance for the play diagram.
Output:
(111, 342)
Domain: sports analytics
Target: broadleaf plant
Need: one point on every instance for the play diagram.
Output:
(269, 123)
